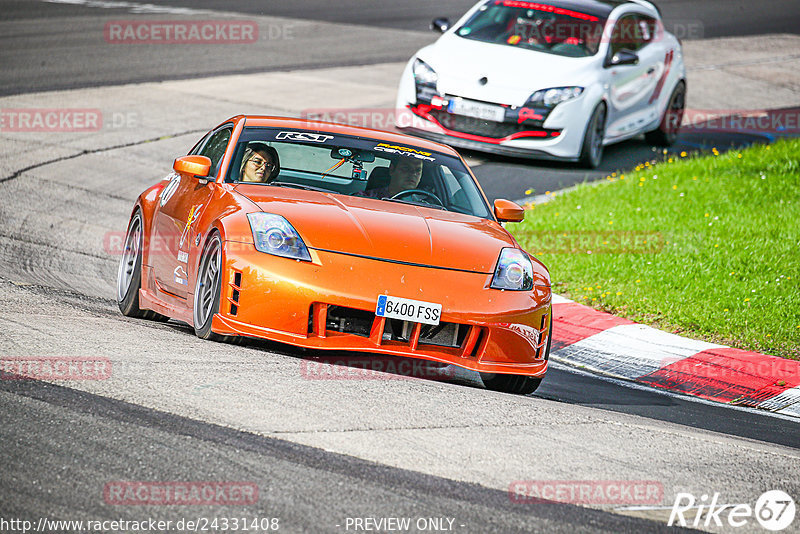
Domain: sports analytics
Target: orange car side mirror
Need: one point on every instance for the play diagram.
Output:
(507, 211)
(193, 165)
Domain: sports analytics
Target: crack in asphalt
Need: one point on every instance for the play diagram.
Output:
(84, 152)
(761, 80)
(103, 307)
(54, 291)
(25, 325)
(56, 247)
(288, 67)
(745, 63)
(86, 190)
(427, 427)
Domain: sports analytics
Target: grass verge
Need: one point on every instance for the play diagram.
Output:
(707, 247)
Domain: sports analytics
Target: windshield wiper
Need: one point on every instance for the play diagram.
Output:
(420, 204)
(303, 186)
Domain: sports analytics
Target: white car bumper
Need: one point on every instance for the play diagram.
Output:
(523, 133)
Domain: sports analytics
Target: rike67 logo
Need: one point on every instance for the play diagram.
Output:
(774, 510)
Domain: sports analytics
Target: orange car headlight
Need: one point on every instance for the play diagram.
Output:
(514, 271)
(274, 235)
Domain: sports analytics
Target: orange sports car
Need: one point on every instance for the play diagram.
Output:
(334, 237)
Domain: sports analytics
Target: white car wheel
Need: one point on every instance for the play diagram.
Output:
(592, 149)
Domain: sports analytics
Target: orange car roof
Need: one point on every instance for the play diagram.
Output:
(343, 129)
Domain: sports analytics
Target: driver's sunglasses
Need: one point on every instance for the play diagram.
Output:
(258, 163)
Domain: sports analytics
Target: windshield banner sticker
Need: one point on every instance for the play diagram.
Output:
(304, 136)
(404, 151)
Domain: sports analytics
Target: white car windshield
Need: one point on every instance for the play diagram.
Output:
(535, 26)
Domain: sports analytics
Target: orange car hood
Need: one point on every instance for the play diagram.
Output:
(380, 229)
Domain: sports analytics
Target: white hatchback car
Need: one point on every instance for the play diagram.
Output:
(555, 79)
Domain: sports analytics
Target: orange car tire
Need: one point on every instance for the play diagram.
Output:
(516, 384)
(208, 291)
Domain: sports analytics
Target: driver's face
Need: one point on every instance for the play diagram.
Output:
(406, 174)
(258, 167)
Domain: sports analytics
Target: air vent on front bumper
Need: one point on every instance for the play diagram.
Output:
(454, 338)
(236, 288)
(349, 320)
(491, 129)
(442, 335)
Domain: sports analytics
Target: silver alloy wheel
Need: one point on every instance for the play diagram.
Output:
(599, 128)
(127, 265)
(591, 153)
(208, 280)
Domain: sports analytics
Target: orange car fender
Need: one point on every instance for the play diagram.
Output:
(541, 275)
(542, 293)
(226, 215)
(147, 203)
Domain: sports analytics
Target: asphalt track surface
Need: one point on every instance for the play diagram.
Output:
(246, 415)
(310, 490)
(45, 46)
(59, 44)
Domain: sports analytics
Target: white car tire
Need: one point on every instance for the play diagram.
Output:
(592, 148)
(667, 132)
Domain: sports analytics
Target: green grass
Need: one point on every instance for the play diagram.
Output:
(722, 257)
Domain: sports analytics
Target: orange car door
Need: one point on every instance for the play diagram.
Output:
(178, 211)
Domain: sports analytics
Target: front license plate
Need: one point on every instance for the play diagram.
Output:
(408, 310)
(477, 110)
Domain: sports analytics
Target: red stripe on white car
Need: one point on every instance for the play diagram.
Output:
(660, 85)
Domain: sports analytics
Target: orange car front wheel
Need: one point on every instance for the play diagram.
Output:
(516, 384)
(208, 290)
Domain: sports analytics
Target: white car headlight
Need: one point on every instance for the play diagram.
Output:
(514, 271)
(554, 96)
(424, 74)
(274, 235)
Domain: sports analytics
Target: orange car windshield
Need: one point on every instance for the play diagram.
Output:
(357, 166)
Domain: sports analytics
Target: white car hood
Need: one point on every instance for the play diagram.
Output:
(513, 73)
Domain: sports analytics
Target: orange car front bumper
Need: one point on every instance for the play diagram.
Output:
(289, 301)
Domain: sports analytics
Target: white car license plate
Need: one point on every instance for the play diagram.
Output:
(408, 310)
(477, 110)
